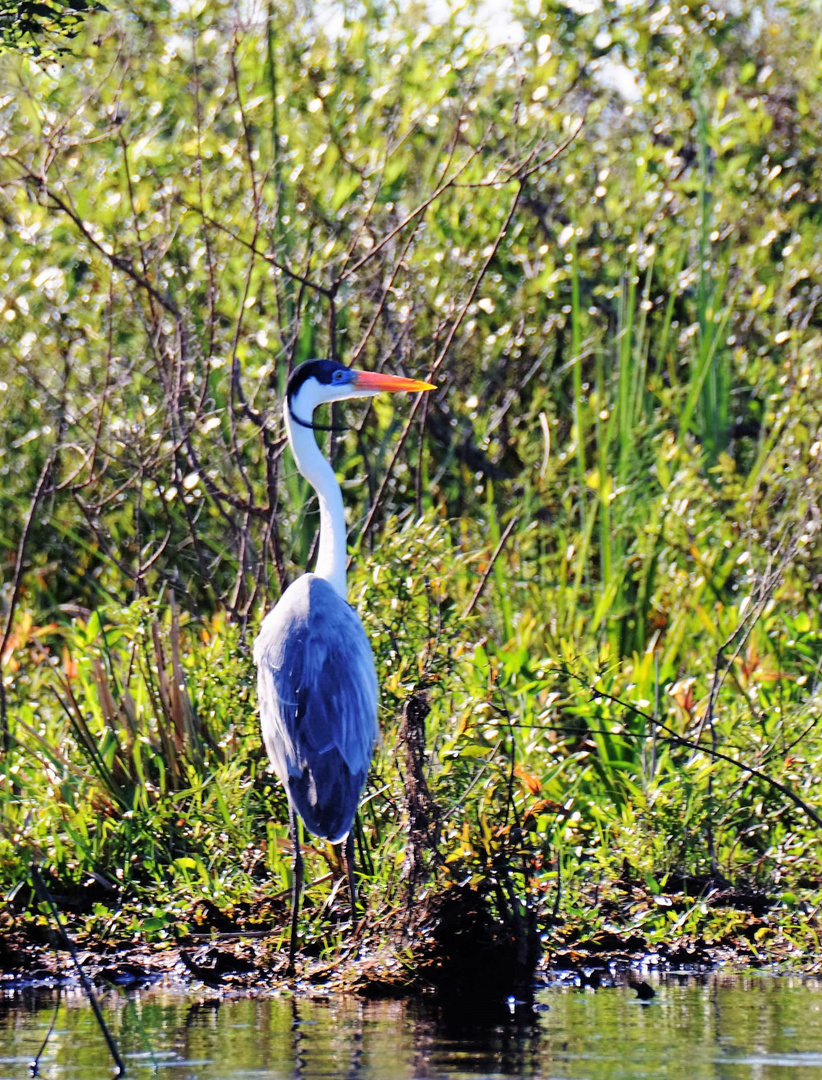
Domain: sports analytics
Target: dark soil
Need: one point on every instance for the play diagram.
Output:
(456, 944)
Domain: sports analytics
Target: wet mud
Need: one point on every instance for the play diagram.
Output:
(454, 945)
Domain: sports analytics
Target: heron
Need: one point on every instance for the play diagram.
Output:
(316, 680)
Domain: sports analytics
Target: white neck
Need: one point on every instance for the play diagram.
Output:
(331, 557)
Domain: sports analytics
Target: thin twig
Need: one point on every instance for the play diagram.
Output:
(489, 568)
(315, 285)
(712, 752)
(46, 897)
(440, 359)
(17, 582)
(34, 1064)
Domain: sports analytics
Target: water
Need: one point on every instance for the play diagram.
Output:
(718, 1026)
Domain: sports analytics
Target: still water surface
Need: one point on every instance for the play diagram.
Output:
(719, 1026)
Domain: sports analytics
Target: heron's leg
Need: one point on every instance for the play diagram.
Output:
(297, 884)
(349, 866)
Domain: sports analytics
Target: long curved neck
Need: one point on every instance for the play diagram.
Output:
(331, 557)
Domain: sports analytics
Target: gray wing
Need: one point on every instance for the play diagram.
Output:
(318, 702)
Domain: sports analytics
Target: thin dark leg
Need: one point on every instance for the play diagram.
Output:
(349, 866)
(297, 885)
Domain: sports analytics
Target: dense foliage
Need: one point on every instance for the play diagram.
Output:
(592, 553)
(41, 28)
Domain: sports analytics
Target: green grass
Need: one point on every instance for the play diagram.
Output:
(598, 563)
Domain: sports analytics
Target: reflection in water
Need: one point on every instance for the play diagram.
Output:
(303, 1044)
(717, 1027)
(496, 1037)
(201, 1013)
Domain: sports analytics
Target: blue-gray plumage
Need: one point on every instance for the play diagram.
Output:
(315, 670)
(318, 703)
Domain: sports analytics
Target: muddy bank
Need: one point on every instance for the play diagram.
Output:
(256, 962)
(448, 942)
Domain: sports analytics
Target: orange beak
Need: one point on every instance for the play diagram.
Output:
(371, 380)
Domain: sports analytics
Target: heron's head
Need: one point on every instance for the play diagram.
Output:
(317, 382)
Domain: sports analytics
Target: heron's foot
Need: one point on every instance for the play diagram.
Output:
(291, 969)
(291, 966)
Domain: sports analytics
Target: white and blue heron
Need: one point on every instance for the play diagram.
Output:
(315, 669)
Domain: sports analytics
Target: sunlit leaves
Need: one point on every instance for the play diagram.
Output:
(182, 202)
